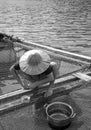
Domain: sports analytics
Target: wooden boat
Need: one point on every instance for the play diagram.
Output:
(73, 68)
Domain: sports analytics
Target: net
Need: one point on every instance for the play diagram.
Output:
(66, 66)
(7, 53)
(12, 49)
(23, 117)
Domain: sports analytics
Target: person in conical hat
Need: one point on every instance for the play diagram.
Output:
(36, 67)
(34, 62)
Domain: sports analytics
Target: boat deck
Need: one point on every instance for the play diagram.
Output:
(8, 83)
(15, 115)
(24, 119)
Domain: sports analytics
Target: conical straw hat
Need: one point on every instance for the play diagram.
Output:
(34, 62)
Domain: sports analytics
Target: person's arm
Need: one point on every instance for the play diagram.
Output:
(15, 71)
(55, 69)
(49, 92)
(55, 73)
(48, 79)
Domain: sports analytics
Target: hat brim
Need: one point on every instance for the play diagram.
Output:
(37, 69)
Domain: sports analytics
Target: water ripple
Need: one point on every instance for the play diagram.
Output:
(60, 23)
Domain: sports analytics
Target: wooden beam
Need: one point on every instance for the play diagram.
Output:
(58, 83)
(82, 76)
(17, 103)
(56, 51)
(57, 55)
(6, 107)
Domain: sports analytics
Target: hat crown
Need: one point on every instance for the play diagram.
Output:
(34, 59)
(34, 62)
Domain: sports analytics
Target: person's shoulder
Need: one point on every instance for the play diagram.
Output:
(55, 68)
(53, 64)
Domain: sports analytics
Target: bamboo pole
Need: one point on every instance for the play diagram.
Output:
(56, 51)
(58, 54)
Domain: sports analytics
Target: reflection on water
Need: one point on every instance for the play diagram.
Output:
(60, 23)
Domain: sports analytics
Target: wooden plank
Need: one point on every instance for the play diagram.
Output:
(82, 76)
(60, 57)
(10, 105)
(58, 82)
(18, 103)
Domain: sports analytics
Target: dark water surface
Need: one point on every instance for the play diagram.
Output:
(60, 23)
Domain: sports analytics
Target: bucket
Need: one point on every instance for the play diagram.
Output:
(59, 115)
